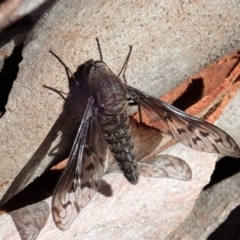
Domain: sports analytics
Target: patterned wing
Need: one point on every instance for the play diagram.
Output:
(165, 166)
(190, 131)
(83, 172)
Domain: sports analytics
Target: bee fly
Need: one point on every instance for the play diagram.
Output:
(105, 124)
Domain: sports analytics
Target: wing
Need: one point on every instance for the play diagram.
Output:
(165, 166)
(190, 131)
(83, 172)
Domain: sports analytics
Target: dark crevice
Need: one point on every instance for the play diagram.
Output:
(225, 168)
(14, 31)
(229, 229)
(192, 94)
(211, 110)
(8, 75)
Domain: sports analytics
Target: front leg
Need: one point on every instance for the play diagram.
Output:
(136, 101)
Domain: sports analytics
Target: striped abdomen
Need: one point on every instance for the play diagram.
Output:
(117, 133)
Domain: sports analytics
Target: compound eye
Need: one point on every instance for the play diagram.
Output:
(92, 69)
(91, 66)
(97, 65)
(100, 64)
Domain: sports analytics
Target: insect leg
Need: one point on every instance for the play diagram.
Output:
(136, 101)
(70, 76)
(61, 94)
(67, 69)
(124, 67)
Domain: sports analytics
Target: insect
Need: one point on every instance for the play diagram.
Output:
(105, 124)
